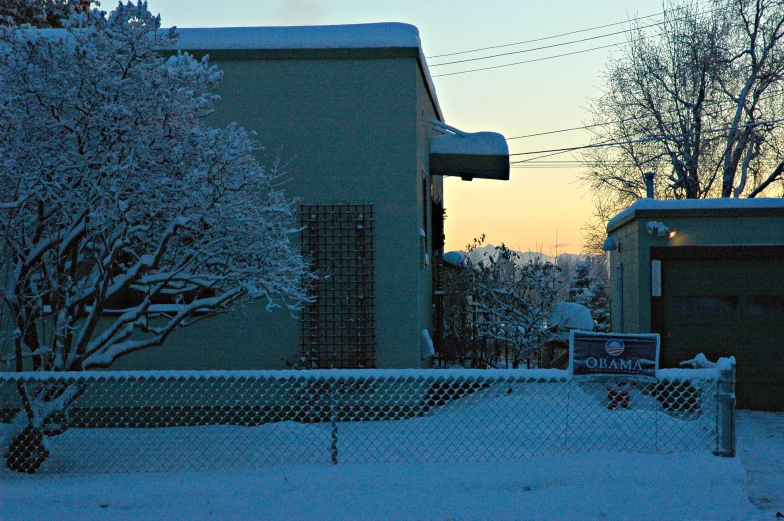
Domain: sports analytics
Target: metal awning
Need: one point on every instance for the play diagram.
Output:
(469, 155)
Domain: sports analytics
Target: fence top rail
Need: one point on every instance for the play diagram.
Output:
(702, 373)
(342, 374)
(332, 374)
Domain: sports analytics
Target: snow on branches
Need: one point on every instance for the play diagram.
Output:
(41, 13)
(118, 204)
(508, 299)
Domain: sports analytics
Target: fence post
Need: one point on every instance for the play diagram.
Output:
(725, 419)
(333, 413)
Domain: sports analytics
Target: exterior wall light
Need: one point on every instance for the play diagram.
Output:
(672, 233)
(611, 244)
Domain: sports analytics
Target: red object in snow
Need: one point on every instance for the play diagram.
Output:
(617, 398)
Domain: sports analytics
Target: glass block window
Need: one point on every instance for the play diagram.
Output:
(338, 328)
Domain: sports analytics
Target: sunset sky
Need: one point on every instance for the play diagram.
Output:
(541, 202)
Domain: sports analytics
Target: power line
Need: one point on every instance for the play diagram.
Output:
(566, 163)
(527, 61)
(555, 167)
(544, 46)
(557, 131)
(615, 143)
(571, 162)
(772, 92)
(539, 39)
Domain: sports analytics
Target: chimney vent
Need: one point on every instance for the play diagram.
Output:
(649, 185)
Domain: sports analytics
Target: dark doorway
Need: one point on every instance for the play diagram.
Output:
(725, 301)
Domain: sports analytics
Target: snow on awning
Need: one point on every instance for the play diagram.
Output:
(482, 155)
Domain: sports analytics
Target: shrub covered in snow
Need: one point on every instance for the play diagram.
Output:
(588, 287)
(123, 216)
(497, 307)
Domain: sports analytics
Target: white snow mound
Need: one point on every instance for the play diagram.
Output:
(570, 315)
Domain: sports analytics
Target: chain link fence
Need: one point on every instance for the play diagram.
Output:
(205, 421)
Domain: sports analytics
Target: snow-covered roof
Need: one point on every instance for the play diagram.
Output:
(356, 36)
(686, 205)
(340, 38)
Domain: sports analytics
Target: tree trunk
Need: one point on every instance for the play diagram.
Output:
(27, 451)
(44, 414)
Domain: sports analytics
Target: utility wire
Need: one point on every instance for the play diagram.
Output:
(567, 163)
(769, 93)
(528, 61)
(539, 39)
(545, 47)
(557, 131)
(615, 143)
(558, 163)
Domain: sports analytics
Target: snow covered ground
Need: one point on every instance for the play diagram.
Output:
(595, 486)
(760, 447)
(497, 421)
(586, 486)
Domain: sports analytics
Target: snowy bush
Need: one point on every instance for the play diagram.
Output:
(588, 287)
(512, 299)
(505, 304)
(41, 13)
(123, 216)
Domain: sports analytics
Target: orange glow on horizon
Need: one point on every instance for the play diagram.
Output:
(526, 213)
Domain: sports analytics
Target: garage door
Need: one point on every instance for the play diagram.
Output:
(725, 302)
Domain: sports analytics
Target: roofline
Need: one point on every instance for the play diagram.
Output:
(431, 88)
(408, 46)
(631, 214)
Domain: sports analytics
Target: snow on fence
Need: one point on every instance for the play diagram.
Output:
(200, 421)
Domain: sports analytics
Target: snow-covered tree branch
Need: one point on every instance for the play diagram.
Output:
(123, 216)
(510, 300)
(42, 13)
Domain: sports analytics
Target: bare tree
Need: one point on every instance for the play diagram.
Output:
(696, 98)
(751, 81)
(122, 215)
(659, 106)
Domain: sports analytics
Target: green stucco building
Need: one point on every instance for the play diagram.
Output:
(353, 114)
(708, 276)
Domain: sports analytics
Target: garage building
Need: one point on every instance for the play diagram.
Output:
(708, 276)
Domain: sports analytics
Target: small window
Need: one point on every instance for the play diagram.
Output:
(765, 305)
(712, 306)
